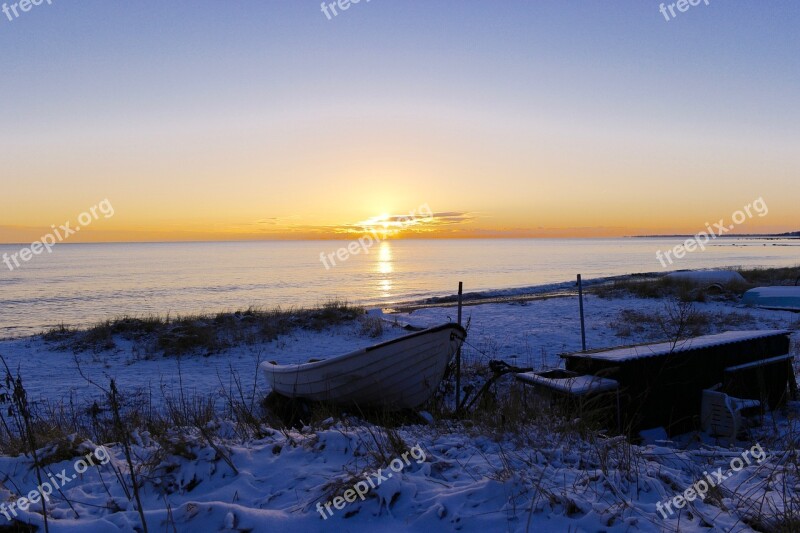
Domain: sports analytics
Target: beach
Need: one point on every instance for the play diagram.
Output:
(78, 285)
(475, 475)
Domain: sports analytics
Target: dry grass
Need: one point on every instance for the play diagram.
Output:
(771, 276)
(663, 287)
(206, 334)
(371, 327)
(60, 427)
(655, 325)
(538, 426)
(509, 410)
(659, 286)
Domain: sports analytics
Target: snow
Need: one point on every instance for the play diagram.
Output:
(707, 276)
(534, 478)
(666, 348)
(160, 375)
(576, 385)
(468, 482)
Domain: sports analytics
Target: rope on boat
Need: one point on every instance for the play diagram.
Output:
(476, 348)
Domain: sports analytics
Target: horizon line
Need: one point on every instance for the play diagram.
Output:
(787, 235)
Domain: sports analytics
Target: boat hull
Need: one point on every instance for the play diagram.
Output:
(397, 374)
(777, 298)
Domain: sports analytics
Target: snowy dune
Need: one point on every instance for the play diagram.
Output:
(531, 479)
(527, 333)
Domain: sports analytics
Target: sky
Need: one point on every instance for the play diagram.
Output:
(202, 120)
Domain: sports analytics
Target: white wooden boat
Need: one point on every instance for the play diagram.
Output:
(396, 374)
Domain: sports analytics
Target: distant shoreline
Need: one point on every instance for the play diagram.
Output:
(766, 236)
(520, 295)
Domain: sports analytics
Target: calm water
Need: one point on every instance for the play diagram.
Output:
(82, 283)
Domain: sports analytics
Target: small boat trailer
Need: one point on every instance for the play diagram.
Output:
(585, 393)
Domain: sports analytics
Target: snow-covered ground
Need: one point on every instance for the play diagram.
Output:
(529, 479)
(535, 333)
(52, 374)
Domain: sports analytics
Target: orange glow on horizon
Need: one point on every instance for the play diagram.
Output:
(381, 225)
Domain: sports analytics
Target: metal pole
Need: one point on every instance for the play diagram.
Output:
(458, 352)
(583, 323)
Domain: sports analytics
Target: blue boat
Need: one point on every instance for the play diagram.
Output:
(780, 298)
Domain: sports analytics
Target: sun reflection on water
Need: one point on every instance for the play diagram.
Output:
(384, 266)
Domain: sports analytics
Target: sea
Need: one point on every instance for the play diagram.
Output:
(81, 284)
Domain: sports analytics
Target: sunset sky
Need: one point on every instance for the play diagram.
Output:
(205, 120)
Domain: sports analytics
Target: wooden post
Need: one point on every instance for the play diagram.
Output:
(458, 352)
(792, 381)
(583, 322)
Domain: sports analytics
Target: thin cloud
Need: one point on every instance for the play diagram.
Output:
(392, 224)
